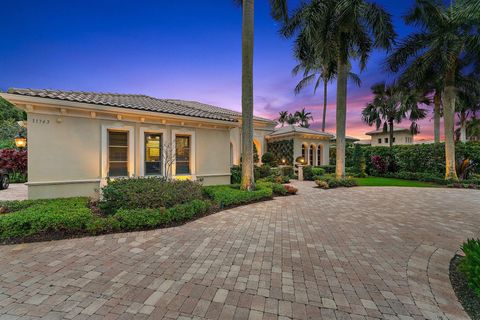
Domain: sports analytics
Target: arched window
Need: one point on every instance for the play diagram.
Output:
(311, 154)
(319, 155)
(231, 154)
(304, 152)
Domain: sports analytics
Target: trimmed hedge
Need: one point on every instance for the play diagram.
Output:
(151, 192)
(227, 196)
(72, 216)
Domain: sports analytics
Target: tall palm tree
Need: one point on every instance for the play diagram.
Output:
(292, 119)
(345, 30)
(443, 40)
(278, 12)
(391, 105)
(283, 116)
(467, 103)
(304, 118)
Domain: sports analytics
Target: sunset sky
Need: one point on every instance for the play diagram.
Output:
(169, 49)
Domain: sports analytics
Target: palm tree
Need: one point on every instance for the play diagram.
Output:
(278, 12)
(345, 30)
(304, 118)
(283, 115)
(444, 38)
(467, 103)
(391, 105)
(292, 119)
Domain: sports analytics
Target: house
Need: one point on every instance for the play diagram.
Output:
(76, 140)
(348, 139)
(401, 136)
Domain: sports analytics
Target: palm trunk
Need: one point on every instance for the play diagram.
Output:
(247, 95)
(437, 99)
(463, 126)
(390, 124)
(449, 96)
(341, 117)
(325, 86)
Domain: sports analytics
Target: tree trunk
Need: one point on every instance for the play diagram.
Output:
(463, 126)
(247, 95)
(437, 100)
(325, 88)
(390, 125)
(449, 95)
(341, 117)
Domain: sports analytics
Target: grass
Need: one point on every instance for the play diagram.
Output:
(392, 182)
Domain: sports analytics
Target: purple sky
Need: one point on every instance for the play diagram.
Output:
(169, 49)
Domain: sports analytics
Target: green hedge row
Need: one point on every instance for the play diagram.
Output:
(227, 196)
(72, 216)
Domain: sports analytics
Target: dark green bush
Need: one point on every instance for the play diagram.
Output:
(53, 216)
(269, 158)
(308, 173)
(227, 196)
(262, 171)
(287, 171)
(277, 188)
(318, 171)
(328, 182)
(236, 174)
(470, 264)
(329, 168)
(152, 192)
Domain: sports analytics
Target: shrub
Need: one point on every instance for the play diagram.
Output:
(379, 164)
(322, 184)
(318, 171)
(329, 168)
(262, 171)
(277, 188)
(53, 216)
(469, 264)
(15, 162)
(291, 189)
(331, 182)
(227, 196)
(152, 192)
(236, 174)
(269, 158)
(308, 173)
(287, 171)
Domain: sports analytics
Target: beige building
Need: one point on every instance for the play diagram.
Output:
(401, 136)
(76, 140)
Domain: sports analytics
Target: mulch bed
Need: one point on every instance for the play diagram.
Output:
(467, 297)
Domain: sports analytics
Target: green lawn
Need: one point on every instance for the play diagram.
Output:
(392, 182)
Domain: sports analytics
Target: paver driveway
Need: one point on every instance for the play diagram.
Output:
(336, 254)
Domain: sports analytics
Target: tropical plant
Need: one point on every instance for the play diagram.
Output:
(345, 30)
(282, 118)
(304, 118)
(392, 104)
(447, 36)
(292, 119)
(279, 12)
(467, 103)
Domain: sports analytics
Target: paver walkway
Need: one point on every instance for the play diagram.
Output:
(360, 253)
(16, 191)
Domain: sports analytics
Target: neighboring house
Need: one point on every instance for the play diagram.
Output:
(76, 140)
(401, 136)
(348, 139)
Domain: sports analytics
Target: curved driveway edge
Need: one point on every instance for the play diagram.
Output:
(357, 253)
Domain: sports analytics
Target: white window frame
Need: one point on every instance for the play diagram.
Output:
(190, 133)
(144, 130)
(131, 148)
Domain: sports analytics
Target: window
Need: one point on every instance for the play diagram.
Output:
(386, 140)
(153, 153)
(117, 153)
(182, 158)
(319, 156)
(310, 156)
(393, 140)
(304, 152)
(379, 140)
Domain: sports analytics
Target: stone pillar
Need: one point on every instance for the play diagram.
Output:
(300, 172)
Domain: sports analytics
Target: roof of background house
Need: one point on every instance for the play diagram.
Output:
(349, 138)
(296, 129)
(381, 131)
(138, 102)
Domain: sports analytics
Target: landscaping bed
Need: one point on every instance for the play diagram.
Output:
(467, 297)
(127, 205)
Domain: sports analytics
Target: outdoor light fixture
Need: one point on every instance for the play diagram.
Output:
(284, 161)
(20, 141)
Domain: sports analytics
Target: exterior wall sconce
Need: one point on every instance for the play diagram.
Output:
(20, 141)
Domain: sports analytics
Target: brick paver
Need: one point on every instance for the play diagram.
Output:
(359, 253)
(16, 191)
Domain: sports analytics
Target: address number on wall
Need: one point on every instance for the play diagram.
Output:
(40, 121)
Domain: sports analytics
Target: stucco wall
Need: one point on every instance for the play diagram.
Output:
(400, 138)
(66, 158)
